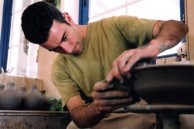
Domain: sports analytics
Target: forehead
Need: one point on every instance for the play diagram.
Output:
(55, 35)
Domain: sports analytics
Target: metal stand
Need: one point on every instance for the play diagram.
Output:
(17, 119)
(167, 116)
(167, 121)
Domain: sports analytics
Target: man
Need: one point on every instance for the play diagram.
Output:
(94, 57)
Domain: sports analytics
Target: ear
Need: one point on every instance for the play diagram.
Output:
(68, 18)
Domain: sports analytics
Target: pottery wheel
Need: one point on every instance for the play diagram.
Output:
(167, 116)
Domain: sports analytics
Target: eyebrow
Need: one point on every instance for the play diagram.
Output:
(63, 37)
(53, 49)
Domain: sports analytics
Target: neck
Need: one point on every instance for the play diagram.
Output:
(84, 30)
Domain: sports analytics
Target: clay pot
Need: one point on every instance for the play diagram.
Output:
(9, 97)
(164, 84)
(33, 99)
(2, 86)
(22, 93)
(46, 103)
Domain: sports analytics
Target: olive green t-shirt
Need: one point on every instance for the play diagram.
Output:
(105, 40)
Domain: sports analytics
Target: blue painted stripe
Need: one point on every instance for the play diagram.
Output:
(5, 32)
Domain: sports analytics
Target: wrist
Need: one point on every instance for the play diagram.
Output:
(97, 110)
(150, 50)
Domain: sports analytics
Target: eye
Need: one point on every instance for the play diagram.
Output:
(58, 49)
(64, 38)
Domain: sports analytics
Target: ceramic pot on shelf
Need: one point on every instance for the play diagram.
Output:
(9, 97)
(22, 93)
(46, 102)
(33, 99)
(2, 86)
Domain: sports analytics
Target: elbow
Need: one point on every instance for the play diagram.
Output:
(83, 125)
(184, 29)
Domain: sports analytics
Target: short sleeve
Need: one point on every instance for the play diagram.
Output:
(135, 30)
(63, 82)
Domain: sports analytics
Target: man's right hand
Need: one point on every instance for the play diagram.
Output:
(107, 97)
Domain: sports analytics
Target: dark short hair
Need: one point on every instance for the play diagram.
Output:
(37, 20)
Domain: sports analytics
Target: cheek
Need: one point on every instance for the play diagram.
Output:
(71, 40)
(74, 38)
(68, 47)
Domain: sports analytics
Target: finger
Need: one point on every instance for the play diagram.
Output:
(131, 62)
(119, 92)
(107, 109)
(114, 102)
(114, 74)
(123, 61)
(101, 86)
(109, 77)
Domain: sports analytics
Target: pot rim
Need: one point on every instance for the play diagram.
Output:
(158, 66)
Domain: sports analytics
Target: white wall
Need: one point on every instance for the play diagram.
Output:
(151, 9)
(72, 7)
(20, 62)
(1, 12)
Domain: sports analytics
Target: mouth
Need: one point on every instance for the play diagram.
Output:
(75, 51)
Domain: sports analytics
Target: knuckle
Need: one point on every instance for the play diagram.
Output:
(114, 102)
(114, 63)
(93, 94)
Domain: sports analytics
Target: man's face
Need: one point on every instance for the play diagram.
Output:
(65, 39)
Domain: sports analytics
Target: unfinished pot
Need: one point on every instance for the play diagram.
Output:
(165, 84)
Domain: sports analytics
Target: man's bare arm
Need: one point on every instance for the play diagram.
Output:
(166, 34)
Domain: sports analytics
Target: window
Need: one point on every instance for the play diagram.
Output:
(1, 12)
(151, 9)
(21, 53)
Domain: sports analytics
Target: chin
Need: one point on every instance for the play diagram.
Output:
(76, 54)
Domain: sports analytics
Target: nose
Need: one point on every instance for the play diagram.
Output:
(68, 49)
